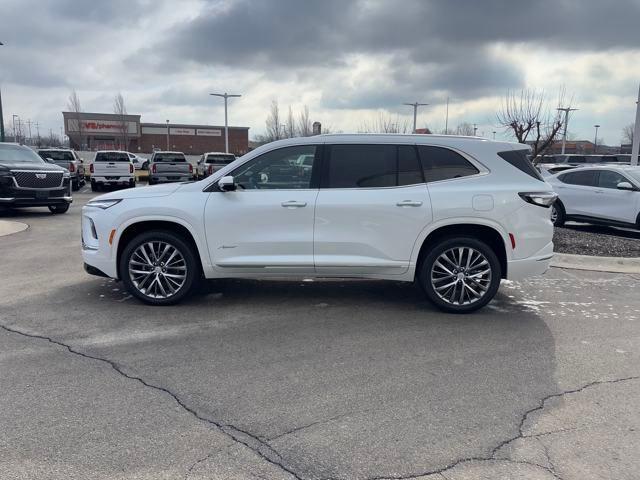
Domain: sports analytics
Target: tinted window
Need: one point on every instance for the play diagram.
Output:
(220, 159)
(277, 169)
(519, 159)
(610, 179)
(169, 157)
(362, 166)
(443, 164)
(585, 178)
(111, 157)
(57, 155)
(409, 170)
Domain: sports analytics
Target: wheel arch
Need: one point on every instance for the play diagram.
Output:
(486, 233)
(135, 228)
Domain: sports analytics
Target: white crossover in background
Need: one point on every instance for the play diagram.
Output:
(457, 214)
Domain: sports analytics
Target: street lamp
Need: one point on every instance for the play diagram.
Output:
(167, 135)
(1, 114)
(415, 106)
(226, 96)
(595, 140)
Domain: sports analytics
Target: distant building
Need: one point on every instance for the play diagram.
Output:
(584, 147)
(423, 130)
(110, 131)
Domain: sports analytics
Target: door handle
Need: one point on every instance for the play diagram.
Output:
(294, 204)
(409, 203)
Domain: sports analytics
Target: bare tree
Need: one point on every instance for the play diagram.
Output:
(73, 105)
(120, 109)
(273, 124)
(627, 133)
(305, 127)
(527, 116)
(385, 123)
(465, 128)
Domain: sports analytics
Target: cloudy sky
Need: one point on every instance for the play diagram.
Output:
(346, 60)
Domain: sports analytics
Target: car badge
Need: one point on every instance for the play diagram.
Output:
(41, 176)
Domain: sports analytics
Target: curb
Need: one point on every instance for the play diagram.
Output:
(596, 264)
(8, 227)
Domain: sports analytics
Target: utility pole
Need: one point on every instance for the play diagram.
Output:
(415, 106)
(475, 129)
(566, 111)
(37, 125)
(446, 119)
(494, 134)
(29, 122)
(1, 114)
(15, 132)
(636, 134)
(226, 96)
(595, 140)
(167, 135)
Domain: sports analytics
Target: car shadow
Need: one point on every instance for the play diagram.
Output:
(603, 230)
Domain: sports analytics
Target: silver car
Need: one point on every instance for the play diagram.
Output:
(212, 162)
(167, 167)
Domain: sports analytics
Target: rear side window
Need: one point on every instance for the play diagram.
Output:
(373, 166)
(441, 163)
(57, 155)
(169, 157)
(586, 178)
(519, 159)
(111, 157)
(222, 159)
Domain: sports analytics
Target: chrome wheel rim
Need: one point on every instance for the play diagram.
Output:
(554, 214)
(461, 276)
(157, 269)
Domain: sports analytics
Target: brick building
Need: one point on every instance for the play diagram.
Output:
(103, 131)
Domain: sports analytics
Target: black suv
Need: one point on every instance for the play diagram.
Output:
(26, 180)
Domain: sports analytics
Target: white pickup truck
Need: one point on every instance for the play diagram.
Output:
(113, 168)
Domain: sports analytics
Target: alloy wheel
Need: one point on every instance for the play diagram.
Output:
(461, 276)
(157, 269)
(554, 214)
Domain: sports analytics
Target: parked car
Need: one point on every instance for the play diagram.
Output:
(457, 214)
(549, 169)
(112, 168)
(26, 180)
(139, 163)
(212, 162)
(68, 159)
(606, 195)
(169, 167)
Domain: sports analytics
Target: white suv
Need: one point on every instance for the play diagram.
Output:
(457, 214)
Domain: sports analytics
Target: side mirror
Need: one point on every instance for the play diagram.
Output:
(227, 184)
(625, 186)
(49, 160)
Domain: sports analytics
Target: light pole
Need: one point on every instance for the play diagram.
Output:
(15, 134)
(566, 111)
(494, 134)
(595, 140)
(635, 147)
(167, 135)
(226, 96)
(446, 119)
(1, 114)
(415, 106)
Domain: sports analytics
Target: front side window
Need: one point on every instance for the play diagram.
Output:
(610, 179)
(277, 169)
(443, 164)
(585, 178)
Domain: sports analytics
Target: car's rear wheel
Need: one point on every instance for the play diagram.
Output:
(557, 214)
(58, 208)
(159, 267)
(460, 274)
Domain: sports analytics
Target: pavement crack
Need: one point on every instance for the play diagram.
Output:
(308, 425)
(238, 435)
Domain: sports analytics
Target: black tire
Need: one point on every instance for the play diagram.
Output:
(132, 183)
(445, 246)
(560, 212)
(55, 209)
(181, 245)
(95, 187)
(151, 181)
(145, 166)
(75, 186)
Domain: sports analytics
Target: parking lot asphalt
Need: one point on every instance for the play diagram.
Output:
(308, 379)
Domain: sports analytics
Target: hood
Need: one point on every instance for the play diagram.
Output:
(32, 166)
(142, 192)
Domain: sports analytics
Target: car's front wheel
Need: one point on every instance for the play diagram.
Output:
(557, 214)
(460, 274)
(159, 267)
(59, 208)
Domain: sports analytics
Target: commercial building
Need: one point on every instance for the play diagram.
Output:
(100, 131)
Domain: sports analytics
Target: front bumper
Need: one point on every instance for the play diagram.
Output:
(11, 195)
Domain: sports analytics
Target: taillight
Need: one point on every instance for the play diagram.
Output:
(210, 169)
(91, 168)
(72, 168)
(190, 168)
(153, 168)
(131, 168)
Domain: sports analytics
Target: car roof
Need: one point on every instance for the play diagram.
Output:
(111, 151)
(218, 153)
(168, 151)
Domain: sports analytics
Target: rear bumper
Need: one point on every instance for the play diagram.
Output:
(168, 178)
(113, 181)
(534, 265)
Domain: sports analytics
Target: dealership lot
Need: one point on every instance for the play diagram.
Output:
(310, 380)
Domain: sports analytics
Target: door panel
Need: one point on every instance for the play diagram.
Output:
(611, 203)
(577, 191)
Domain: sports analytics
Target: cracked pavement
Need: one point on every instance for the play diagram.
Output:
(309, 380)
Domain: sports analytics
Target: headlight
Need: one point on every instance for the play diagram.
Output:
(66, 174)
(542, 199)
(103, 204)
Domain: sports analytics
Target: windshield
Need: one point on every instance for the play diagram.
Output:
(111, 157)
(16, 153)
(56, 155)
(220, 159)
(169, 157)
